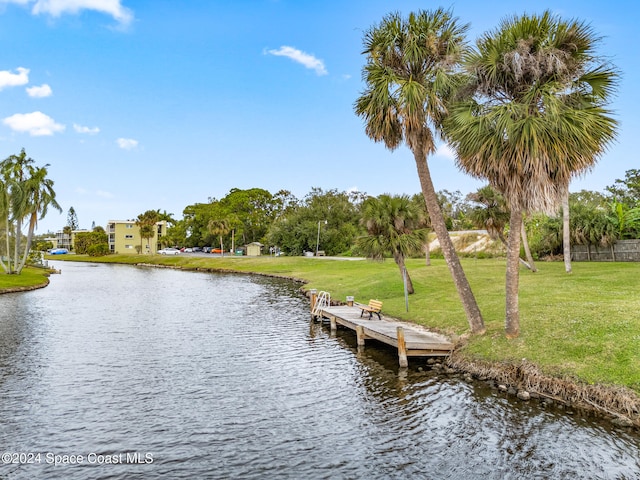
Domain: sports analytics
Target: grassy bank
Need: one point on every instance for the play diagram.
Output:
(29, 279)
(584, 326)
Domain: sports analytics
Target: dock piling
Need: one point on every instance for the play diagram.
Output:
(313, 298)
(402, 349)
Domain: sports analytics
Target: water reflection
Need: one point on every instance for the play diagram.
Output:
(226, 377)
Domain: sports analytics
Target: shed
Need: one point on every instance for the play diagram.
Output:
(254, 249)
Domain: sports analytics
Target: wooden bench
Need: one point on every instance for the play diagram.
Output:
(374, 306)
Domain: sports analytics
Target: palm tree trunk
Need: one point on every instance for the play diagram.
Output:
(566, 233)
(16, 245)
(522, 262)
(8, 234)
(32, 226)
(399, 259)
(527, 251)
(512, 320)
(474, 317)
(427, 253)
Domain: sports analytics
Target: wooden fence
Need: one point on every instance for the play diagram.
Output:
(621, 251)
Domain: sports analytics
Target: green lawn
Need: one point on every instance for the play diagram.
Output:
(585, 325)
(30, 277)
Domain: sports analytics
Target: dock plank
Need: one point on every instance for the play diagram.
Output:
(417, 341)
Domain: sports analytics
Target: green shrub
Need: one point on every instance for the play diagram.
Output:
(98, 250)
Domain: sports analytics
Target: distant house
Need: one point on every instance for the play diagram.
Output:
(64, 240)
(124, 237)
(254, 249)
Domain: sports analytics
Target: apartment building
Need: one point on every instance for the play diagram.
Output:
(64, 240)
(124, 237)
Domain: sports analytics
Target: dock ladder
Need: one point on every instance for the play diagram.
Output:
(323, 300)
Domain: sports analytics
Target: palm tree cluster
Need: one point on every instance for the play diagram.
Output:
(25, 196)
(147, 223)
(409, 78)
(525, 110)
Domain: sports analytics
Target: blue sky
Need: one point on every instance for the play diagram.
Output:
(158, 104)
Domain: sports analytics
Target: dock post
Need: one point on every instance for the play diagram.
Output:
(333, 323)
(350, 301)
(313, 297)
(402, 349)
(360, 335)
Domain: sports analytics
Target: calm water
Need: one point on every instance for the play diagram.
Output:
(153, 373)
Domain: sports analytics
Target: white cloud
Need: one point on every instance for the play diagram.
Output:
(36, 124)
(445, 151)
(87, 130)
(309, 61)
(127, 143)
(42, 91)
(56, 8)
(8, 79)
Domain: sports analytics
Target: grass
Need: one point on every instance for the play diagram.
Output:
(29, 278)
(584, 326)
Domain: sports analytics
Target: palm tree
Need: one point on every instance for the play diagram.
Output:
(533, 117)
(408, 78)
(4, 214)
(393, 227)
(15, 170)
(493, 215)
(167, 217)
(38, 194)
(219, 227)
(146, 222)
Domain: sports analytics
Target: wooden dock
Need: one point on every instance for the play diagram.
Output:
(410, 340)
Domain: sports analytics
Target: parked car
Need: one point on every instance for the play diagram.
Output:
(58, 251)
(186, 250)
(169, 251)
(216, 250)
(196, 249)
(206, 249)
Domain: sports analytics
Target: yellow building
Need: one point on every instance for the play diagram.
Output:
(124, 237)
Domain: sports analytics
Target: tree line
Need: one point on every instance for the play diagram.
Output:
(291, 224)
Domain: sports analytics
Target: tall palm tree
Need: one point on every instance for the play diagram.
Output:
(393, 227)
(408, 77)
(533, 118)
(4, 215)
(38, 195)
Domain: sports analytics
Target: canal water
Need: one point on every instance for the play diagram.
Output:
(120, 372)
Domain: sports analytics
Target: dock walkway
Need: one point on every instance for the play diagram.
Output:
(410, 340)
